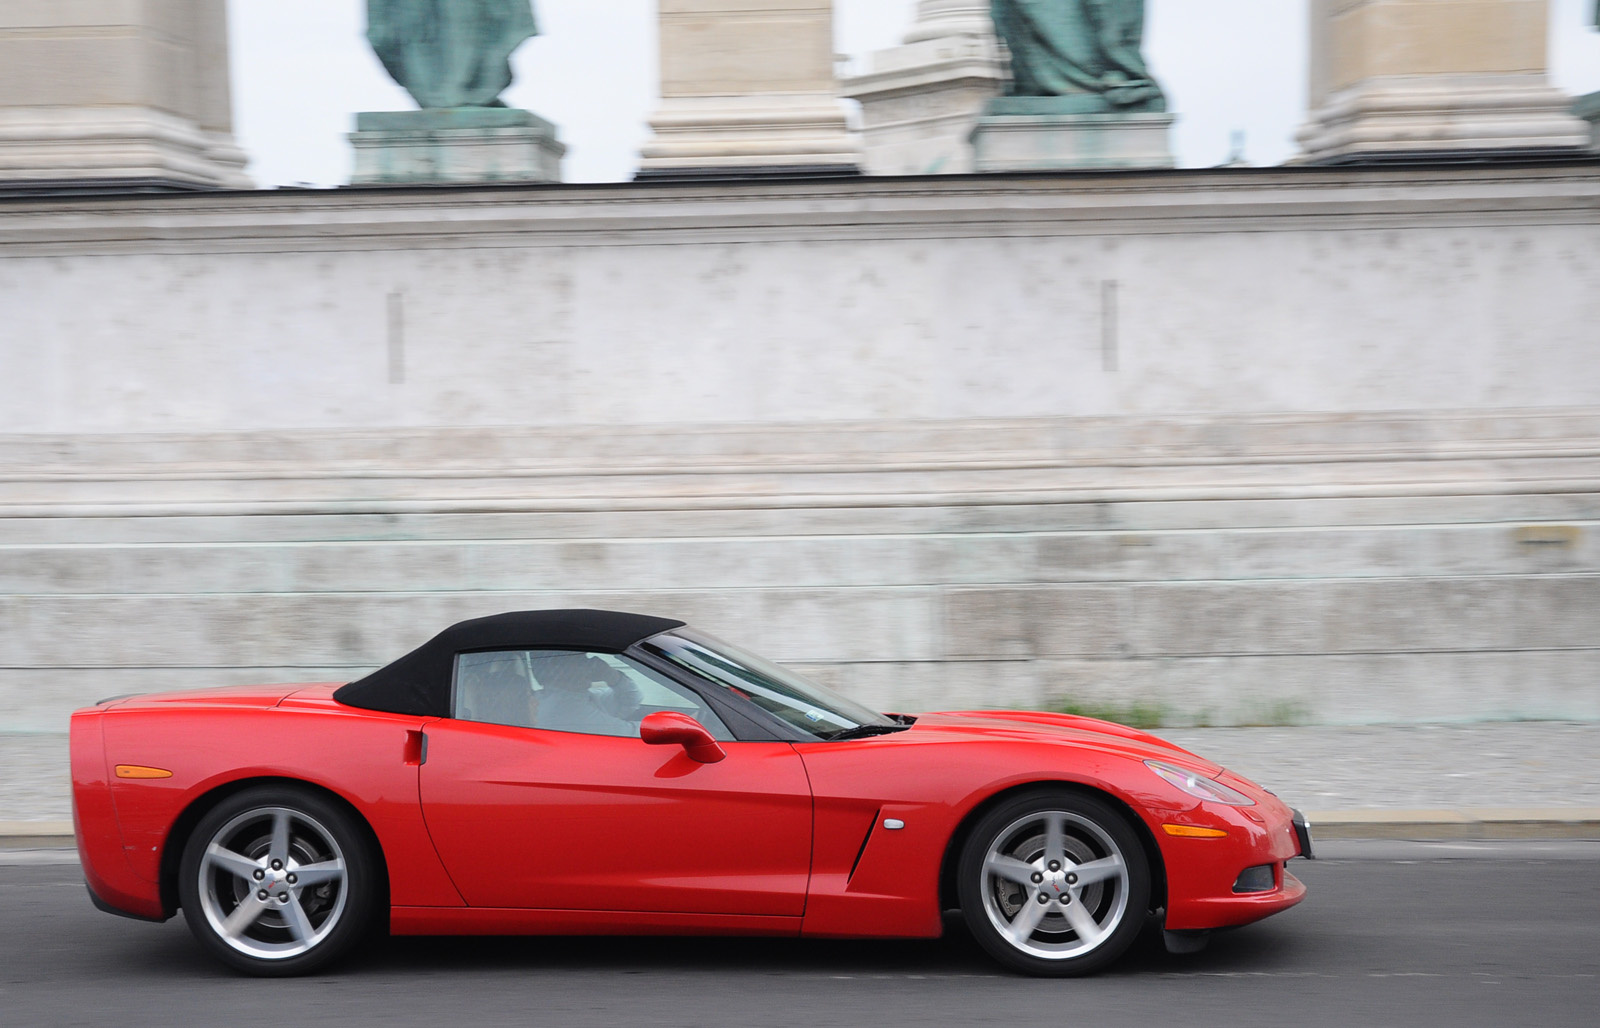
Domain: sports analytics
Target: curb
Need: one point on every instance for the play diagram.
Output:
(1468, 824)
(36, 835)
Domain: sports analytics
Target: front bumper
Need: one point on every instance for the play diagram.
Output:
(1302, 833)
(1202, 872)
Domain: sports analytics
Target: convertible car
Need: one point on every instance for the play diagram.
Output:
(596, 772)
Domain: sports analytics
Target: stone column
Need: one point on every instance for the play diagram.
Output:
(747, 87)
(920, 100)
(1398, 77)
(113, 94)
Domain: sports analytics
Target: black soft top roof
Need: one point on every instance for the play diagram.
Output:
(419, 682)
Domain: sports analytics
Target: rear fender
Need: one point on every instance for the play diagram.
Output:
(173, 847)
(367, 760)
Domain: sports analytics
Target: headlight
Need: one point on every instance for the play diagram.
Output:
(1198, 785)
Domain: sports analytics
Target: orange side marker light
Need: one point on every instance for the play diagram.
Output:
(140, 771)
(1194, 832)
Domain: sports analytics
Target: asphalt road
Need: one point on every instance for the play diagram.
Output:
(1379, 941)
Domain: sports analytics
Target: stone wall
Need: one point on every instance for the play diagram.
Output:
(956, 297)
(965, 442)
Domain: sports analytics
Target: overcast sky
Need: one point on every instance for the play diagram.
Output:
(302, 69)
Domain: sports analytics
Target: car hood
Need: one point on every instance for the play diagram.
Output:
(1067, 729)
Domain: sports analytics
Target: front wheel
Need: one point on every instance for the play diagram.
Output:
(1054, 883)
(277, 881)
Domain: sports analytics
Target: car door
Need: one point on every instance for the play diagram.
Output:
(530, 816)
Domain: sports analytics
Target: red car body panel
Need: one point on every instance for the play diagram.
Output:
(366, 758)
(949, 764)
(489, 829)
(94, 821)
(504, 921)
(525, 818)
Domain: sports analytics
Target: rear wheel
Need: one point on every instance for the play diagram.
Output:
(1054, 883)
(277, 881)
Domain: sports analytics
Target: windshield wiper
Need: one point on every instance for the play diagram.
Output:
(863, 731)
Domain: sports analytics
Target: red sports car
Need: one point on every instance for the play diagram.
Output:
(589, 772)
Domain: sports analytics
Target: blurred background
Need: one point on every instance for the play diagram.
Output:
(1276, 408)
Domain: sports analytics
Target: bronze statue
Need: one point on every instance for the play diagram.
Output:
(1087, 48)
(450, 53)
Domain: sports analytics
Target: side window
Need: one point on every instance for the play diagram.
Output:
(494, 688)
(570, 691)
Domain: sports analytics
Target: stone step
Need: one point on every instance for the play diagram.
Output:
(590, 470)
(41, 699)
(355, 629)
(1148, 619)
(886, 518)
(1312, 689)
(1353, 616)
(1286, 689)
(34, 492)
(805, 561)
(1088, 441)
(1239, 567)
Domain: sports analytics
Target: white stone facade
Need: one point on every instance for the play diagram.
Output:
(920, 100)
(1253, 445)
(1220, 292)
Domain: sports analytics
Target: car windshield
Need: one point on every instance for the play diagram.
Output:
(812, 708)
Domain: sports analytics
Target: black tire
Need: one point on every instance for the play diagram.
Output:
(1012, 878)
(291, 885)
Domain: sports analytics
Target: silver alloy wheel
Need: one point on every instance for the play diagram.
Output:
(272, 883)
(1055, 884)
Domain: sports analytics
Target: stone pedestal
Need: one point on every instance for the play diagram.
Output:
(463, 144)
(1060, 133)
(1588, 108)
(920, 100)
(747, 88)
(1418, 77)
(105, 94)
